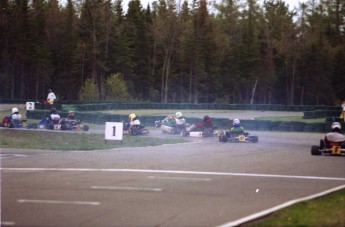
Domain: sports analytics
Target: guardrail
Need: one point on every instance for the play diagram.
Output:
(223, 123)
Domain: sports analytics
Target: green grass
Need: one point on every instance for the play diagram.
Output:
(325, 211)
(50, 140)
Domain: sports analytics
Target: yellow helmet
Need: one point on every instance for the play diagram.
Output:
(132, 116)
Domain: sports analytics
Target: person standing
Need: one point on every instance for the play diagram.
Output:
(51, 97)
(342, 115)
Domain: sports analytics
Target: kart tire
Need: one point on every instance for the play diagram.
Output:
(255, 139)
(86, 128)
(145, 131)
(63, 127)
(223, 138)
(315, 150)
(184, 133)
(50, 126)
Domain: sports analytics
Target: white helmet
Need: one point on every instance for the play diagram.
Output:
(236, 122)
(336, 125)
(178, 114)
(15, 110)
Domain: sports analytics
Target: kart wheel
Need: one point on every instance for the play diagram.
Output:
(184, 133)
(315, 150)
(145, 131)
(255, 139)
(223, 138)
(86, 128)
(63, 127)
(50, 126)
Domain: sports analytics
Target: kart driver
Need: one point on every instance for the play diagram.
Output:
(172, 120)
(71, 115)
(335, 135)
(133, 120)
(179, 119)
(54, 116)
(207, 123)
(16, 116)
(236, 127)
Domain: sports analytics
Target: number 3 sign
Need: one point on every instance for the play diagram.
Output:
(113, 130)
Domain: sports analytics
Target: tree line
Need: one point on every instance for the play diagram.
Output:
(233, 51)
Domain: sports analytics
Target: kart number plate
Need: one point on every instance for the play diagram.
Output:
(336, 150)
(241, 138)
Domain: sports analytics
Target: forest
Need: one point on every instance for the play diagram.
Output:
(231, 51)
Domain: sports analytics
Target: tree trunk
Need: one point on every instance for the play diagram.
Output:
(253, 90)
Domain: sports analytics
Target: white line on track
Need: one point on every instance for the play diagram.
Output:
(281, 206)
(127, 188)
(180, 178)
(3, 156)
(7, 223)
(177, 172)
(58, 202)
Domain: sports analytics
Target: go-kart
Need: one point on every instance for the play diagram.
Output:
(200, 131)
(168, 125)
(46, 123)
(329, 148)
(173, 129)
(135, 130)
(72, 124)
(9, 123)
(239, 137)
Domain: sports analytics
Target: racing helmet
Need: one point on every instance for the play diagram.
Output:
(178, 114)
(336, 126)
(206, 117)
(15, 110)
(132, 116)
(236, 123)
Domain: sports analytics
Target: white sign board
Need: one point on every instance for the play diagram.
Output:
(113, 130)
(30, 105)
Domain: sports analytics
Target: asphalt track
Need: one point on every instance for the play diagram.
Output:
(200, 183)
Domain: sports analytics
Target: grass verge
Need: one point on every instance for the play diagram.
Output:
(325, 211)
(50, 140)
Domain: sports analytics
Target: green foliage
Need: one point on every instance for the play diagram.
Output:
(89, 91)
(238, 52)
(116, 88)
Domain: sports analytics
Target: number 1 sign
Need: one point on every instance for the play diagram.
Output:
(113, 130)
